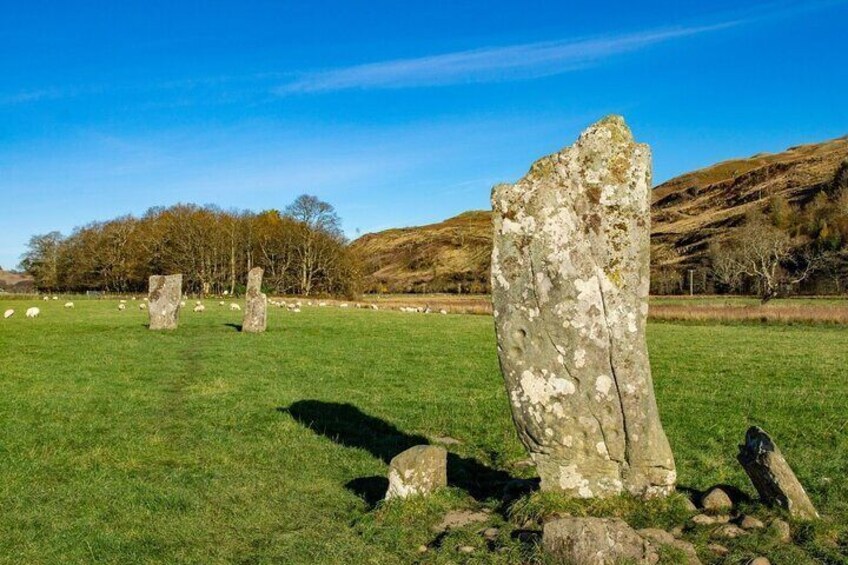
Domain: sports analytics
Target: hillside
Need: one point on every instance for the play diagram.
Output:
(15, 282)
(688, 211)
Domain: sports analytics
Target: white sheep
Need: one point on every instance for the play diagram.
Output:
(221, 303)
(344, 305)
(199, 308)
(235, 307)
(182, 304)
(69, 304)
(46, 298)
(33, 312)
(122, 301)
(142, 306)
(122, 306)
(55, 298)
(198, 303)
(8, 314)
(443, 312)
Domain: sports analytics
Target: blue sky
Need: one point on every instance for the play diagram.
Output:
(397, 113)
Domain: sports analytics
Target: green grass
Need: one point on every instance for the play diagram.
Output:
(205, 445)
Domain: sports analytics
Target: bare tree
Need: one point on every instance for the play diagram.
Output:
(766, 254)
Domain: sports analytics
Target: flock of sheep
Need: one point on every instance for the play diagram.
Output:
(294, 307)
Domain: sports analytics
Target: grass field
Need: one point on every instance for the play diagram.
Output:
(205, 445)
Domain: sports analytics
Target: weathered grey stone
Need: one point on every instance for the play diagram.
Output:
(771, 475)
(165, 293)
(782, 529)
(751, 523)
(707, 520)
(256, 303)
(662, 537)
(417, 471)
(596, 541)
(570, 280)
(729, 531)
(716, 499)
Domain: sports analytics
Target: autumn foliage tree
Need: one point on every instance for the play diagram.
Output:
(302, 250)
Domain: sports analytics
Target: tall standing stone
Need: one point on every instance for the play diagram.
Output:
(570, 280)
(256, 304)
(164, 301)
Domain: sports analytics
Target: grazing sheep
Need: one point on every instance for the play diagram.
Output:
(235, 307)
(46, 298)
(322, 304)
(182, 303)
(33, 312)
(142, 306)
(122, 301)
(55, 298)
(375, 307)
(295, 310)
(443, 312)
(69, 304)
(344, 305)
(8, 314)
(133, 298)
(222, 303)
(198, 303)
(226, 292)
(122, 306)
(200, 308)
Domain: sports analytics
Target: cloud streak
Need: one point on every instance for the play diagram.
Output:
(493, 64)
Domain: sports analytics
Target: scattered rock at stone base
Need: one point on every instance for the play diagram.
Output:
(716, 499)
(729, 531)
(751, 523)
(417, 471)
(759, 561)
(596, 541)
(718, 549)
(707, 520)
(460, 518)
(782, 529)
(771, 475)
(663, 537)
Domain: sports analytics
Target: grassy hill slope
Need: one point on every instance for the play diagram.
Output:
(688, 211)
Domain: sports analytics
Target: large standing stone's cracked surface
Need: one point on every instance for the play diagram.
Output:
(165, 293)
(570, 280)
(256, 303)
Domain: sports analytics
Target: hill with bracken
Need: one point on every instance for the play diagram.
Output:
(687, 213)
(11, 281)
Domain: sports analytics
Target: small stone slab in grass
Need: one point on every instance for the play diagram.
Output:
(771, 475)
(596, 541)
(418, 471)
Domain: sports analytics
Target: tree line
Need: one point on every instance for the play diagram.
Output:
(302, 250)
(781, 249)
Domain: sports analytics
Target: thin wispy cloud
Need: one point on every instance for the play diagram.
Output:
(514, 62)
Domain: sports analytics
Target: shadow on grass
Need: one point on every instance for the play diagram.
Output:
(236, 327)
(347, 425)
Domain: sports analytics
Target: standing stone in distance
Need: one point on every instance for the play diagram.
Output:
(256, 304)
(418, 471)
(570, 280)
(772, 477)
(164, 301)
